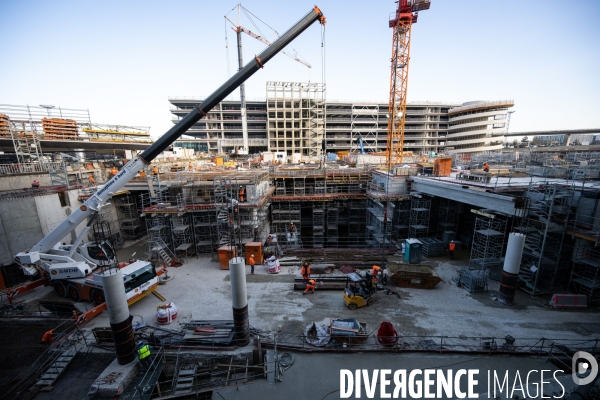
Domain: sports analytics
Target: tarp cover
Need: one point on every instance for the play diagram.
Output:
(316, 334)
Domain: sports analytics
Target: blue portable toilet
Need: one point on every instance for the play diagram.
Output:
(412, 251)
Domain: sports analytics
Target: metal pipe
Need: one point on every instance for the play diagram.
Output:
(239, 300)
(118, 315)
(512, 263)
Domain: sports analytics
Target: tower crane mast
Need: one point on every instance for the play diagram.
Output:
(401, 23)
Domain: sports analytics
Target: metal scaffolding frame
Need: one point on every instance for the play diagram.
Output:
(182, 235)
(227, 210)
(283, 215)
(333, 216)
(544, 266)
(585, 276)
(379, 223)
(205, 230)
(447, 220)
(129, 219)
(420, 210)
(357, 222)
(318, 225)
(488, 244)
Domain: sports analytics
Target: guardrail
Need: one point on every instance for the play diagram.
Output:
(29, 167)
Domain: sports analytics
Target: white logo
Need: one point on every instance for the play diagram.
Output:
(581, 368)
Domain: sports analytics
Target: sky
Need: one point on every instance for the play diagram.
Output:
(123, 60)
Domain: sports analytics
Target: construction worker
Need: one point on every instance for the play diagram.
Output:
(255, 234)
(270, 239)
(190, 167)
(144, 354)
(242, 194)
(35, 185)
(92, 180)
(310, 286)
(292, 227)
(155, 170)
(486, 167)
(251, 261)
(48, 337)
(113, 171)
(375, 271)
(451, 248)
(142, 174)
(305, 271)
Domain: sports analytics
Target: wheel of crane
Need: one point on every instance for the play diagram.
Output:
(60, 288)
(97, 296)
(73, 292)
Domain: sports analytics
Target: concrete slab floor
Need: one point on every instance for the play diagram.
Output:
(200, 290)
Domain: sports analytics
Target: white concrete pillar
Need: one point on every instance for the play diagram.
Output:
(512, 263)
(118, 315)
(239, 300)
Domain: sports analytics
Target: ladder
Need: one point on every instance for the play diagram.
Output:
(185, 380)
(57, 367)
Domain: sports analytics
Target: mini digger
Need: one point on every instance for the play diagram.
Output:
(359, 290)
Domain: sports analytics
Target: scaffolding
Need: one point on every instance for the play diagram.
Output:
(447, 220)
(333, 216)
(318, 224)
(205, 230)
(488, 244)
(419, 216)
(284, 214)
(357, 222)
(182, 235)
(379, 223)
(159, 234)
(544, 266)
(227, 210)
(585, 277)
(129, 219)
(401, 220)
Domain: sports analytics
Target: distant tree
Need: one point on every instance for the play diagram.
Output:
(576, 142)
(515, 143)
(525, 140)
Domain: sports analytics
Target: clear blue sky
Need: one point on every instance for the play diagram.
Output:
(122, 60)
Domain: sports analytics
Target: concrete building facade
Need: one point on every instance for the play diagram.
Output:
(472, 125)
(296, 118)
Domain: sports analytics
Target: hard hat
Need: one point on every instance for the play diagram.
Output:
(252, 255)
(140, 343)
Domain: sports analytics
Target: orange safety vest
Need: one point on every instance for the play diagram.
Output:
(311, 282)
(155, 171)
(375, 270)
(113, 171)
(305, 270)
(142, 174)
(251, 260)
(451, 246)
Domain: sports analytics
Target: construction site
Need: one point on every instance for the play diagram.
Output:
(281, 241)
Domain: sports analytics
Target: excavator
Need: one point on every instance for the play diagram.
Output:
(70, 269)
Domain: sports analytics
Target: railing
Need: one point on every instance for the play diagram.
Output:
(29, 167)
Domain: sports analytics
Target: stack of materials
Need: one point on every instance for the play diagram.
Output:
(348, 331)
(211, 333)
(413, 275)
(58, 128)
(472, 280)
(4, 125)
(432, 247)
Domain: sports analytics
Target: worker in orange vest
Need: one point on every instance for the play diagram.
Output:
(292, 227)
(114, 171)
(251, 261)
(142, 174)
(242, 194)
(155, 170)
(92, 180)
(35, 185)
(48, 337)
(486, 167)
(305, 271)
(375, 271)
(310, 286)
(451, 248)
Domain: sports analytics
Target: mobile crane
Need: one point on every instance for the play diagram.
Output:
(68, 269)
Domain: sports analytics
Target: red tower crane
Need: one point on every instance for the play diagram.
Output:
(404, 17)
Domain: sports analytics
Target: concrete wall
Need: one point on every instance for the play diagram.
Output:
(25, 221)
(21, 181)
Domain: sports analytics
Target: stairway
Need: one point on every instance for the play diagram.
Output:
(58, 177)
(185, 380)
(57, 367)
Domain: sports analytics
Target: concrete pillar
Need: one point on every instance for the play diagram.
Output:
(118, 315)
(512, 263)
(239, 300)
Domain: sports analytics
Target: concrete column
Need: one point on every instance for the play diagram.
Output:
(239, 300)
(118, 315)
(512, 263)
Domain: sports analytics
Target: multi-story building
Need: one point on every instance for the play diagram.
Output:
(295, 118)
(472, 125)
